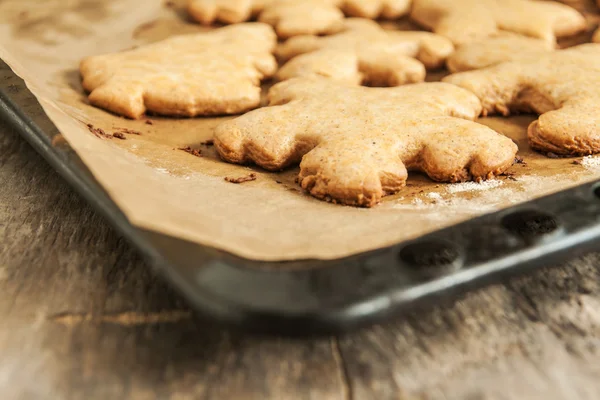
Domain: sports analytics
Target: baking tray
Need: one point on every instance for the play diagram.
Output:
(321, 297)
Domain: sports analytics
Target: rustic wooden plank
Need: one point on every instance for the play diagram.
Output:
(534, 338)
(82, 317)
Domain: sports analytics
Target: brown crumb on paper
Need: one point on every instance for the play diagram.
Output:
(58, 140)
(509, 175)
(248, 178)
(98, 132)
(191, 151)
(208, 142)
(129, 131)
(577, 162)
(119, 135)
(519, 160)
(170, 4)
(148, 122)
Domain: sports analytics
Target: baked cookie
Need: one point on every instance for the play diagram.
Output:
(365, 53)
(212, 73)
(596, 37)
(305, 17)
(388, 9)
(465, 21)
(295, 17)
(562, 86)
(225, 11)
(355, 144)
(497, 49)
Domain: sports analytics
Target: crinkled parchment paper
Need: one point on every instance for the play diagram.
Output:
(170, 191)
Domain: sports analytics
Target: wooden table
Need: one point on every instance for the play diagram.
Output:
(83, 317)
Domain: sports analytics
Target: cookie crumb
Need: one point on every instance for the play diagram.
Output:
(128, 131)
(552, 155)
(577, 162)
(58, 140)
(191, 151)
(119, 135)
(208, 142)
(170, 4)
(519, 160)
(148, 122)
(248, 178)
(98, 132)
(278, 182)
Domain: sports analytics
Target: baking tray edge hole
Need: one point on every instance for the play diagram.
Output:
(431, 258)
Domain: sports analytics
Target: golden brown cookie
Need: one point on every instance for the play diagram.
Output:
(364, 52)
(355, 144)
(388, 9)
(212, 73)
(465, 21)
(296, 17)
(562, 86)
(306, 17)
(225, 11)
(496, 49)
(596, 37)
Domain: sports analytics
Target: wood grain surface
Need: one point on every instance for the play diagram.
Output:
(83, 317)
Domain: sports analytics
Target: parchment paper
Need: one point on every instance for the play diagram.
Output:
(170, 191)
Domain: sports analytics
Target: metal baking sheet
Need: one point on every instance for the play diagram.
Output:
(312, 297)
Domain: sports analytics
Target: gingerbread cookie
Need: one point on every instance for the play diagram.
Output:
(562, 86)
(388, 9)
(225, 11)
(465, 21)
(355, 144)
(364, 52)
(596, 37)
(295, 17)
(496, 49)
(212, 73)
(305, 17)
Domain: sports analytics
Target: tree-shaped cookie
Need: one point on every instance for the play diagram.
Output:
(465, 21)
(562, 86)
(364, 52)
(225, 11)
(212, 73)
(295, 17)
(596, 37)
(388, 9)
(355, 144)
(495, 50)
(306, 17)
